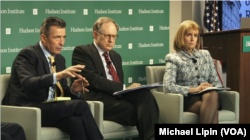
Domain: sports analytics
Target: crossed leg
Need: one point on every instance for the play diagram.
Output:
(207, 108)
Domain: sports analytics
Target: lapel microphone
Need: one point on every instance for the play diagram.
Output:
(109, 62)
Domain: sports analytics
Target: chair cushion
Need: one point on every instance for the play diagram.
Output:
(52, 133)
(5, 78)
(110, 126)
(190, 118)
(226, 115)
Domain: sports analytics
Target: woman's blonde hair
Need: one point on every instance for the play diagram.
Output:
(183, 29)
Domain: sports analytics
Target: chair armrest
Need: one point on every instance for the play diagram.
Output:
(91, 107)
(170, 106)
(98, 109)
(230, 100)
(28, 117)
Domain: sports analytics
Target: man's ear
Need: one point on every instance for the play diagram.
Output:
(43, 38)
(95, 34)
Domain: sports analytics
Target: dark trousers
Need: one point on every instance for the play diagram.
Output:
(73, 117)
(12, 131)
(135, 108)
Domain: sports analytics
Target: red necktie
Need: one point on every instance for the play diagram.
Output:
(111, 68)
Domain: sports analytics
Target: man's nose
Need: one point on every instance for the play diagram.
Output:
(111, 39)
(61, 41)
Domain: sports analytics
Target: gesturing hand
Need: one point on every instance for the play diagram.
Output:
(80, 84)
(70, 72)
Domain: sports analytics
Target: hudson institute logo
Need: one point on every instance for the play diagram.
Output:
(78, 29)
(151, 61)
(107, 11)
(163, 28)
(134, 62)
(151, 28)
(130, 79)
(8, 69)
(59, 11)
(8, 31)
(150, 11)
(145, 45)
(117, 46)
(161, 61)
(142, 79)
(68, 48)
(35, 12)
(130, 11)
(13, 11)
(130, 46)
(29, 30)
(11, 50)
(130, 28)
(85, 11)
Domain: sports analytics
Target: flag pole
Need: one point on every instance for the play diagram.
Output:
(214, 17)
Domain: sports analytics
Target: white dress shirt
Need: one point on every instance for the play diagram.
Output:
(52, 88)
(109, 76)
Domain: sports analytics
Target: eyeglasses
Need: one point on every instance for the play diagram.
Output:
(109, 36)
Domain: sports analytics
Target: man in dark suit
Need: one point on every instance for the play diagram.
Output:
(32, 82)
(105, 77)
(12, 131)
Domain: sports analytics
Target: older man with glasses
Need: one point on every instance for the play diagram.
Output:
(105, 75)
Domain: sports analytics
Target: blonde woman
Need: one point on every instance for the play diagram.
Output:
(191, 70)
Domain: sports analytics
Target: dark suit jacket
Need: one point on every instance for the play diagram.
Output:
(94, 72)
(31, 78)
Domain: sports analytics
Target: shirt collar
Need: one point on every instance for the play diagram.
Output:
(46, 53)
(99, 49)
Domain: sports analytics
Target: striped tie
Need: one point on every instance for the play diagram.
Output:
(111, 68)
(53, 70)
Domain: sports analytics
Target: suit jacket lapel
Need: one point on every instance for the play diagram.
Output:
(97, 60)
(58, 65)
(44, 59)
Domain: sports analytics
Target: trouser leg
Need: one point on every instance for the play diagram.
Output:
(147, 111)
(14, 130)
(119, 111)
(71, 125)
(69, 112)
(136, 108)
(5, 136)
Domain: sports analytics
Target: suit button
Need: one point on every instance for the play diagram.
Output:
(196, 68)
(198, 77)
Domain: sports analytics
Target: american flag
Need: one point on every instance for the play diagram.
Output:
(211, 16)
(211, 23)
